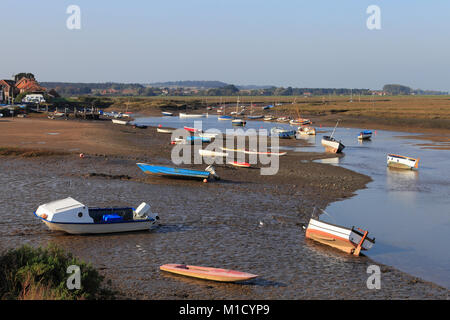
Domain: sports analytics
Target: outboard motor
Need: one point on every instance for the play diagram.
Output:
(143, 211)
(211, 170)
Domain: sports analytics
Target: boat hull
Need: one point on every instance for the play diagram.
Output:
(341, 238)
(97, 228)
(332, 146)
(208, 273)
(173, 172)
(401, 162)
(185, 115)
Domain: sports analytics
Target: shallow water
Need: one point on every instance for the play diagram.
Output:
(407, 211)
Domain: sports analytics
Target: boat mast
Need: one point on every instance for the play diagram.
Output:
(334, 129)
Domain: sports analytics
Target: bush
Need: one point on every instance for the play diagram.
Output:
(41, 273)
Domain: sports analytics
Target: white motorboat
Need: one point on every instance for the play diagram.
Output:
(163, 130)
(117, 121)
(71, 216)
(186, 115)
(402, 162)
(306, 130)
(331, 144)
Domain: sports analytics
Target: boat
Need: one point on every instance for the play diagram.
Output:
(256, 117)
(268, 118)
(239, 164)
(178, 172)
(282, 133)
(207, 135)
(283, 119)
(300, 122)
(402, 162)
(197, 138)
(306, 130)
(186, 115)
(163, 130)
(190, 129)
(168, 114)
(238, 122)
(365, 135)
(331, 144)
(345, 239)
(118, 121)
(225, 117)
(246, 151)
(268, 107)
(208, 273)
(71, 216)
(210, 153)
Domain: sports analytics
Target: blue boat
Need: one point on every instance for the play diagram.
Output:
(365, 135)
(224, 117)
(177, 172)
(282, 133)
(192, 139)
(270, 106)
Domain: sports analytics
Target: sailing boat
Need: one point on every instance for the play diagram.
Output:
(251, 116)
(224, 116)
(331, 144)
(237, 121)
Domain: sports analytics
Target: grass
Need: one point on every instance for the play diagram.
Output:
(29, 273)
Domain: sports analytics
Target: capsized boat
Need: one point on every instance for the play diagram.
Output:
(282, 133)
(71, 216)
(402, 162)
(178, 172)
(365, 135)
(208, 273)
(348, 240)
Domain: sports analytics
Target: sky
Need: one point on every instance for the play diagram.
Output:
(322, 43)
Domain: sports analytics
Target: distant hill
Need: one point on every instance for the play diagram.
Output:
(189, 84)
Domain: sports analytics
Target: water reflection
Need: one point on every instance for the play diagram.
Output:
(333, 161)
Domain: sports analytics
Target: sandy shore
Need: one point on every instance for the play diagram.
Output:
(111, 152)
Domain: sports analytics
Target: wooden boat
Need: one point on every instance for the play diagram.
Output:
(282, 133)
(365, 135)
(246, 151)
(71, 216)
(331, 144)
(208, 273)
(306, 130)
(163, 130)
(118, 121)
(348, 240)
(239, 164)
(238, 122)
(186, 115)
(177, 172)
(210, 153)
(402, 162)
(167, 114)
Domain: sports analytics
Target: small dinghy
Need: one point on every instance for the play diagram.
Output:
(224, 117)
(210, 153)
(71, 216)
(246, 151)
(186, 115)
(178, 172)
(164, 130)
(238, 122)
(118, 121)
(282, 133)
(306, 130)
(402, 162)
(208, 273)
(365, 135)
(193, 130)
(348, 240)
(167, 114)
(331, 144)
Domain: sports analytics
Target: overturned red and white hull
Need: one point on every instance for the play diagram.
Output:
(402, 162)
(332, 145)
(345, 239)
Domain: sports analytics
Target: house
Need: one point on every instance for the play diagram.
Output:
(9, 90)
(29, 85)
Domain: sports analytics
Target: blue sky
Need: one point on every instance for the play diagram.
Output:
(283, 43)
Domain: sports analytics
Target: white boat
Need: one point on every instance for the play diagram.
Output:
(348, 240)
(282, 133)
(300, 122)
(167, 114)
(246, 151)
(306, 130)
(186, 115)
(365, 135)
(331, 144)
(207, 135)
(163, 130)
(210, 153)
(71, 216)
(402, 162)
(268, 118)
(117, 121)
(283, 119)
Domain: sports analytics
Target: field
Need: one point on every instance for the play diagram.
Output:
(429, 112)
